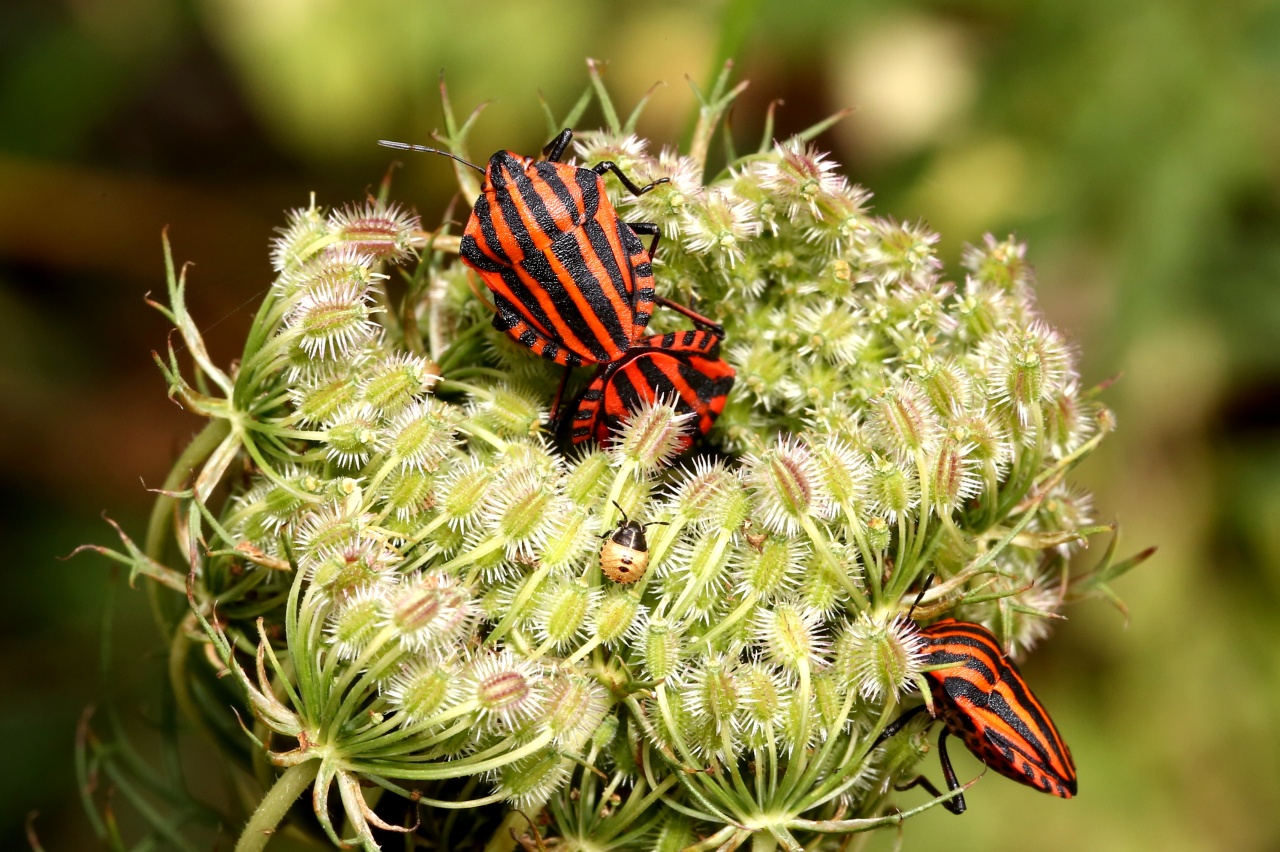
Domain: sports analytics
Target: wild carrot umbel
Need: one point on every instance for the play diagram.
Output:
(397, 569)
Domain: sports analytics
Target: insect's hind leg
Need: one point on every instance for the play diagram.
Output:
(710, 325)
(554, 419)
(956, 805)
(651, 229)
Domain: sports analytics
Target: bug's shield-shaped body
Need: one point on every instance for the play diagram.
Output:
(570, 280)
(625, 556)
(681, 367)
(984, 701)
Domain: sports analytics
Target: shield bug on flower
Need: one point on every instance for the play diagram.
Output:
(682, 367)
(570, 280)
(983, 699)
(625, 556)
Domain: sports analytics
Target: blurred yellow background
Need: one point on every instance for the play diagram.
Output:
(1135, 145)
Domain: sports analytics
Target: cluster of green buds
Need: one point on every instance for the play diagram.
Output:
(401, 571)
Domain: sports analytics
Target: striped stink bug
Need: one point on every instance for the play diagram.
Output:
(574, 283)
(682, 367)
(983, 699)
(570, 280)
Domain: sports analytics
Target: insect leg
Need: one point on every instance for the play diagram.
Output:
(649, 229)
(710, 325)
(559, 398)
(921, 781)
(896, 725)
(611, 166)
(556, 147)
(956, 805)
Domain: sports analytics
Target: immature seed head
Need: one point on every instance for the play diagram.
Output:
(712, 693)
(359, 563)
(895, 490)
(508, 691)
(531, 780)
(652, 436)
(575, 707)
(299, 238)
(1028, 366)
(699, 489)
(879, 658)
(617, 615)
(844, 470)
(381, 230)
(661, 645)
(512, 410)
(423, 687)
(764, 696)
(408, 493)
(332, 321)
(422, 435)
(903, 422)
(318, 397)
(432, 611)
(771, 568)
(395, 380)
(787, 485)
(352, 435)
(461, 490)
(718, 224)
(523, 510)
(790, 635)
(953, 476)
(354, 622)
(562, 609)
(327, 529)
(588, 478)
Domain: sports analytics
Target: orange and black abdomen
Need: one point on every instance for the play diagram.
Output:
(681, 367)
(984, 701)
(570, 280)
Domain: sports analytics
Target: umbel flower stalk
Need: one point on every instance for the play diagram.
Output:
(392, 573)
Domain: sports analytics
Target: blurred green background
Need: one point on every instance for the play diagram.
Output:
(1135, 145)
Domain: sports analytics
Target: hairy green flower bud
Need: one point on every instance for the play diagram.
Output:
(422, 688)
(788, 486)
(391, 383)
(561, 612)
(381, 230)
(877, 657)
(508, 691)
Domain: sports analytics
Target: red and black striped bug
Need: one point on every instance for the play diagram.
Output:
(681, 367)
(570, 280)
(983, 699)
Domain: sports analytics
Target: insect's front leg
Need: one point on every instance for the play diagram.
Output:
(611, 166)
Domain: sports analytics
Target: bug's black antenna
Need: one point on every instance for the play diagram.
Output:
(405, 146)
(620, 510)
(928, 581)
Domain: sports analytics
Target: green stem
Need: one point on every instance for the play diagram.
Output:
(158, 526)
(200, 447)
(273, 807)
(819, 541)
